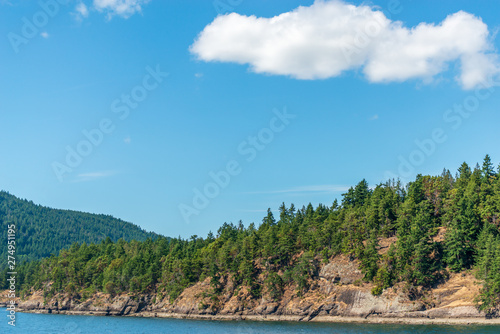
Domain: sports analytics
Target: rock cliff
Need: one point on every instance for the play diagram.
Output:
(336, 293)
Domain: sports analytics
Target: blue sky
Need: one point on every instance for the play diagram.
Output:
(418, 94)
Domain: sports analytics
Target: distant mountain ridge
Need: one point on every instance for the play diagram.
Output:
(42, 231)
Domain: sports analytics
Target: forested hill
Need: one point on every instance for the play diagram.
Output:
(42, 231)
(428, 229)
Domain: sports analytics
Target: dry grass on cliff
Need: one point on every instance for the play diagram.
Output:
(460, 289)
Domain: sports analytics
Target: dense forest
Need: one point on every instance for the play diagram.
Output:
(42, 231)
(287, 250)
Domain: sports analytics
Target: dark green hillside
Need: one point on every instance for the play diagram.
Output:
(41, 231)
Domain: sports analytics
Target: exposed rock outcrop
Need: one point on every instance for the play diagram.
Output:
(337, 293)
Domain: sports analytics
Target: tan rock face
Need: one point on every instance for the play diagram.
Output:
(341, 270)
(332, 294)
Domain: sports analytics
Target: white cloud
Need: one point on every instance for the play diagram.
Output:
(81, 11)
(374, 117)
(324, 188)
(123, 8)
(85, 177)
(44, 34)
(331, 37)
(252, 210)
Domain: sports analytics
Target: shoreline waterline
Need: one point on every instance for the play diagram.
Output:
(284, 318)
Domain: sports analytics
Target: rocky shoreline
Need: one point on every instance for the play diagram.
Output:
(409, 318)
(342, 303)
(336, 295)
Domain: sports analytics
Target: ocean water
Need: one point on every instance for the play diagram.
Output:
(79, 324)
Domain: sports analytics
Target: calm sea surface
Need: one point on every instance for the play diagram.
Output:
(76, 324)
